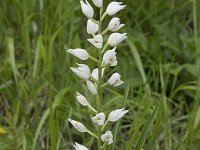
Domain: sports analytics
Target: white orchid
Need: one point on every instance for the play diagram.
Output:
(98, 3)
(107, 137)
(99, 119)
(95, 73)
(80, 147)
(78, 125)
(83, 71)
(114, 24)
(81, 99)
(95, 81)
(114, 7)
(87, 9)
(117, 114)
(92, 27)
(91, 87)
(97, 41)
(115, 80)
(109, 57)
(80, 53)
(116, 38)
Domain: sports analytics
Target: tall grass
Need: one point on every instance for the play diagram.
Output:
(160, 62)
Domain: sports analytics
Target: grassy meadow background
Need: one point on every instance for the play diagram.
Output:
(159, 62)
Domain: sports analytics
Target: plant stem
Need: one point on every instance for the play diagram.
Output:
(104, 85)
(103, 16)
(104, 125)
(105, 31)
(94, 21)
(99, 89)
(104, 48)
(92, 134)
(94, 59)
(94, 110)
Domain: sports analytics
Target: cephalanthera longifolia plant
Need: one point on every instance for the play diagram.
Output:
(95, 81)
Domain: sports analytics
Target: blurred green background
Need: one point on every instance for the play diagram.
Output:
(160, 60)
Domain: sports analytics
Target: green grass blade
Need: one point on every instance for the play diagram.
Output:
(42, 121)
(138, 61)
(10, 45)
(179, 146)
(117, 124)
(37, 55)
(56, 103)
(146, 129)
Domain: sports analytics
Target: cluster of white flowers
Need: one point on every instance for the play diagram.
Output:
(94, 79)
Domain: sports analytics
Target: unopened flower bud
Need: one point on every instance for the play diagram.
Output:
(83, 71)
(81, 99)
(98, 3)
(95, 73)
(92, 27)
(115, 115)
(78, 125)
(114, 7)
(114, 24)
(80, 53)
(115, 80)
(87, 9)
(97, 41)
(116, 38)
(80, 147)
(91, 87)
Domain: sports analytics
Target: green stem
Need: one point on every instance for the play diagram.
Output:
(94, 110)
(103, 65)
(94, 21)
(104, 146)
(105, 31)
(92, 134)
(104, 125)
(99, 82)
(104, 48)
(99, 95)
(94, 59)
(103, 16)
(96, 81)
(104, 85)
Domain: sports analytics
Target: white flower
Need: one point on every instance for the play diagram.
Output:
(80, 53)
(91, 87)
(81, 99)
(115, 115)
(97, 41)
(83, 71)
(98, 3)
(115, 80)
(114, 7)
(92, 27)
(95, 73)
(78, 125)
(114, 24)
(110, 58)
(80, 147)
(99, 119)
(115, 38)
(87, 9)
(107, 137)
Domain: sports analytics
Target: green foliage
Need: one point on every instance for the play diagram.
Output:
(160, 60)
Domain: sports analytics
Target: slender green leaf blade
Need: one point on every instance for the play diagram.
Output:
(146, 129)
